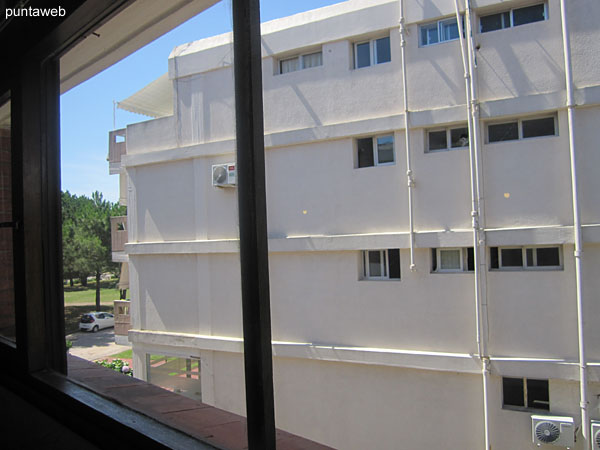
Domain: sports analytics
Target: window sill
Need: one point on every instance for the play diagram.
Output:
(174, 416)
(525, 409)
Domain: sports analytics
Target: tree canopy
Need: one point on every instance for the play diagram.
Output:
(86, 237)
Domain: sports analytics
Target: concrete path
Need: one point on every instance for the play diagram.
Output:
(92, 346)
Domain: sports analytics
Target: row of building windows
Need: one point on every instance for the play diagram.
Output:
(385, 264)
(378, 51)
(379, 150)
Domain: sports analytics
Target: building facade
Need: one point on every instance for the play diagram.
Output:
(424, 288)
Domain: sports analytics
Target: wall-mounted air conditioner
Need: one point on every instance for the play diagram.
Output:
(223, 175)
(595, 434)
(553, 430)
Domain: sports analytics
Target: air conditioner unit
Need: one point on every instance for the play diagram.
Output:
(596, 434)
(223, 175)
(552, 430)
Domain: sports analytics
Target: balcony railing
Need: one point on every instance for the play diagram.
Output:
(118, 233)
(116, 149)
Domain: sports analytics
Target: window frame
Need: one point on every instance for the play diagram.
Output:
(526, 406)
(448, 131)
(374, 139)
(300, 58)
(511, 17)
(520, 121)
(524, 265)
(384, 264)
(438, 23)
(373, 56)
(464, 260)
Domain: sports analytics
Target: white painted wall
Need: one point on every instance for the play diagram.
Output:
(352, 355)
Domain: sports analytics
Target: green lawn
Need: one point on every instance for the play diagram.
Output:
(80, 294)
(127, 354)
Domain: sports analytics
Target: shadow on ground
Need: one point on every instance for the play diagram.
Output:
(74, 313)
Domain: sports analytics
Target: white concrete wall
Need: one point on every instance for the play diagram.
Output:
(322, 211)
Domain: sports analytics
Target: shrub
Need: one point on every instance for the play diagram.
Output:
(117, 365)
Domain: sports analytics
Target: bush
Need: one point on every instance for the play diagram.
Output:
(117, 365)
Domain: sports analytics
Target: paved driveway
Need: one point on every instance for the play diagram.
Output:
(92, 346)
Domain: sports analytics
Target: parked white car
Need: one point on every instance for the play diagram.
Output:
(95, 321)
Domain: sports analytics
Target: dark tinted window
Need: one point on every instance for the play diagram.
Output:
(365, 152)
(548, 256)
(438, 140)
(537, 394)
(528, 14)
(470, 259)
(530, 257)
(383, 50)
(494, 258)
(363, 55)
(494, 22)
(512, 257)
(512, 391)
(433, 259)
(503, 132)
(394, 262)
(538, 127)
(459, 137)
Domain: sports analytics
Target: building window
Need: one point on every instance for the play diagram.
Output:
(513, 18)
(525, 258)
(440, 139)
(525, 393)
(381, 264)
(300, 62)
(375, 151)
(438, 31)
(521, 129)
(375, 51)
(452, 259)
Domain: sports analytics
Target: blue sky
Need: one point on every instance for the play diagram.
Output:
(87, 110)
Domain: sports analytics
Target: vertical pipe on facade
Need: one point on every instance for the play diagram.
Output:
(473, 124)
(585, 420)
(409, 174)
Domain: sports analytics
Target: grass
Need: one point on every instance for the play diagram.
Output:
(87, 294)
(127, 354)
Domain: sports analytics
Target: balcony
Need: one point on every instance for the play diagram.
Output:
(122, 321)
(118, 233)
(116, 149)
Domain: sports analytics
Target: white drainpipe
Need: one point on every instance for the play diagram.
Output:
(585, 419)
(478, 248)
(409, 174)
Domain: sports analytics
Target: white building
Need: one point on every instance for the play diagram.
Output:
(369, 354)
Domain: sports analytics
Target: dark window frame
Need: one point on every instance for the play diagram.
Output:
(511, 20)
(519, 124)
(525, 394)
(529, 253)
(387, 260)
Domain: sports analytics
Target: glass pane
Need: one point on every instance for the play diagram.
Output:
(365, 152)
(494, 22)
(459, 137)
(512, 390)
(503, 132)
(179, 375)
(375, 263)
(437, 140)
(363, 55)
(529, 255)
(494, 264)
(537, 394)
(450, 259)
(449, 30)
(394, 262)
(429, 34)
(312, 60)
(548, 256)
(470, 259)
(385, 149)
(528, 14)
(512, 257)
(384, 53)
(7, 296)
(538, 127)
(288, 65)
